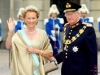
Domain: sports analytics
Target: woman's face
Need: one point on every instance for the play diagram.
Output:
(31, 19)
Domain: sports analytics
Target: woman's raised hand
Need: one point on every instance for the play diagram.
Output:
(11, 24)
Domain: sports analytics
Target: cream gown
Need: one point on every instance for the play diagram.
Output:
(22, 62)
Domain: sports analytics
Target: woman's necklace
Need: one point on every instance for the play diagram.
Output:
(31, 31)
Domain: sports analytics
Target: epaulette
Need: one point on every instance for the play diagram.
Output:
(66, 24)
(87, 24)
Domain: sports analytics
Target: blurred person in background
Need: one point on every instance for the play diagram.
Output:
(19, 23)
(30, 46)
(53, 27)
(84, 14)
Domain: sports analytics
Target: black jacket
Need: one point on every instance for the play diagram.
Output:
(79, 56)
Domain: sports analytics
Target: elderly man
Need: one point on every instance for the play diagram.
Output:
(79, 55)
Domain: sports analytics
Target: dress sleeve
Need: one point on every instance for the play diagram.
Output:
(92, 50)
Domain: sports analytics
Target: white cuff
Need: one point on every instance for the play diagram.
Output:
(53, 38)
(53, 32)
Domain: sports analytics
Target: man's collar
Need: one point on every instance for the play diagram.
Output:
(75, 25)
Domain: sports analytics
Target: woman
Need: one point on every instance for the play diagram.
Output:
(22, 58)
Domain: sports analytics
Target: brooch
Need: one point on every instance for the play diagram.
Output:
(75, 49)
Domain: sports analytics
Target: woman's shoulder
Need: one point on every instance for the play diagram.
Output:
(17, 33)
(43, 32)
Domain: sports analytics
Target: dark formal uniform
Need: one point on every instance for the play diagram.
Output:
(79, 55)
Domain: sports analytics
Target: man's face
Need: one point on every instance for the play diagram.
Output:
(72, 17)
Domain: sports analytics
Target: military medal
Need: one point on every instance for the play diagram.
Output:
(75, 49)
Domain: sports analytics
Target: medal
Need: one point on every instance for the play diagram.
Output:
(75, 49)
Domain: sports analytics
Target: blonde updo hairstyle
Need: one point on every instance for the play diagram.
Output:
(32, 9)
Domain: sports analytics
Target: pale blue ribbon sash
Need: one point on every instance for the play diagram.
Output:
(33, 54)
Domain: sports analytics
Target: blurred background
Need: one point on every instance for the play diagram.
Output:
(9, 8)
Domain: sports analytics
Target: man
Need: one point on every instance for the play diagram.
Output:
(53, 27)
(84, 13)
(79, 55)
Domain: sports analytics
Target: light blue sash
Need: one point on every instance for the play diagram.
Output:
(33, 54)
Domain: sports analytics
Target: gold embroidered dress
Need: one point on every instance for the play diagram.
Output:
(22, 62)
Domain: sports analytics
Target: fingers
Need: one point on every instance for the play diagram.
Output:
(29, 49)
(10, 20)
